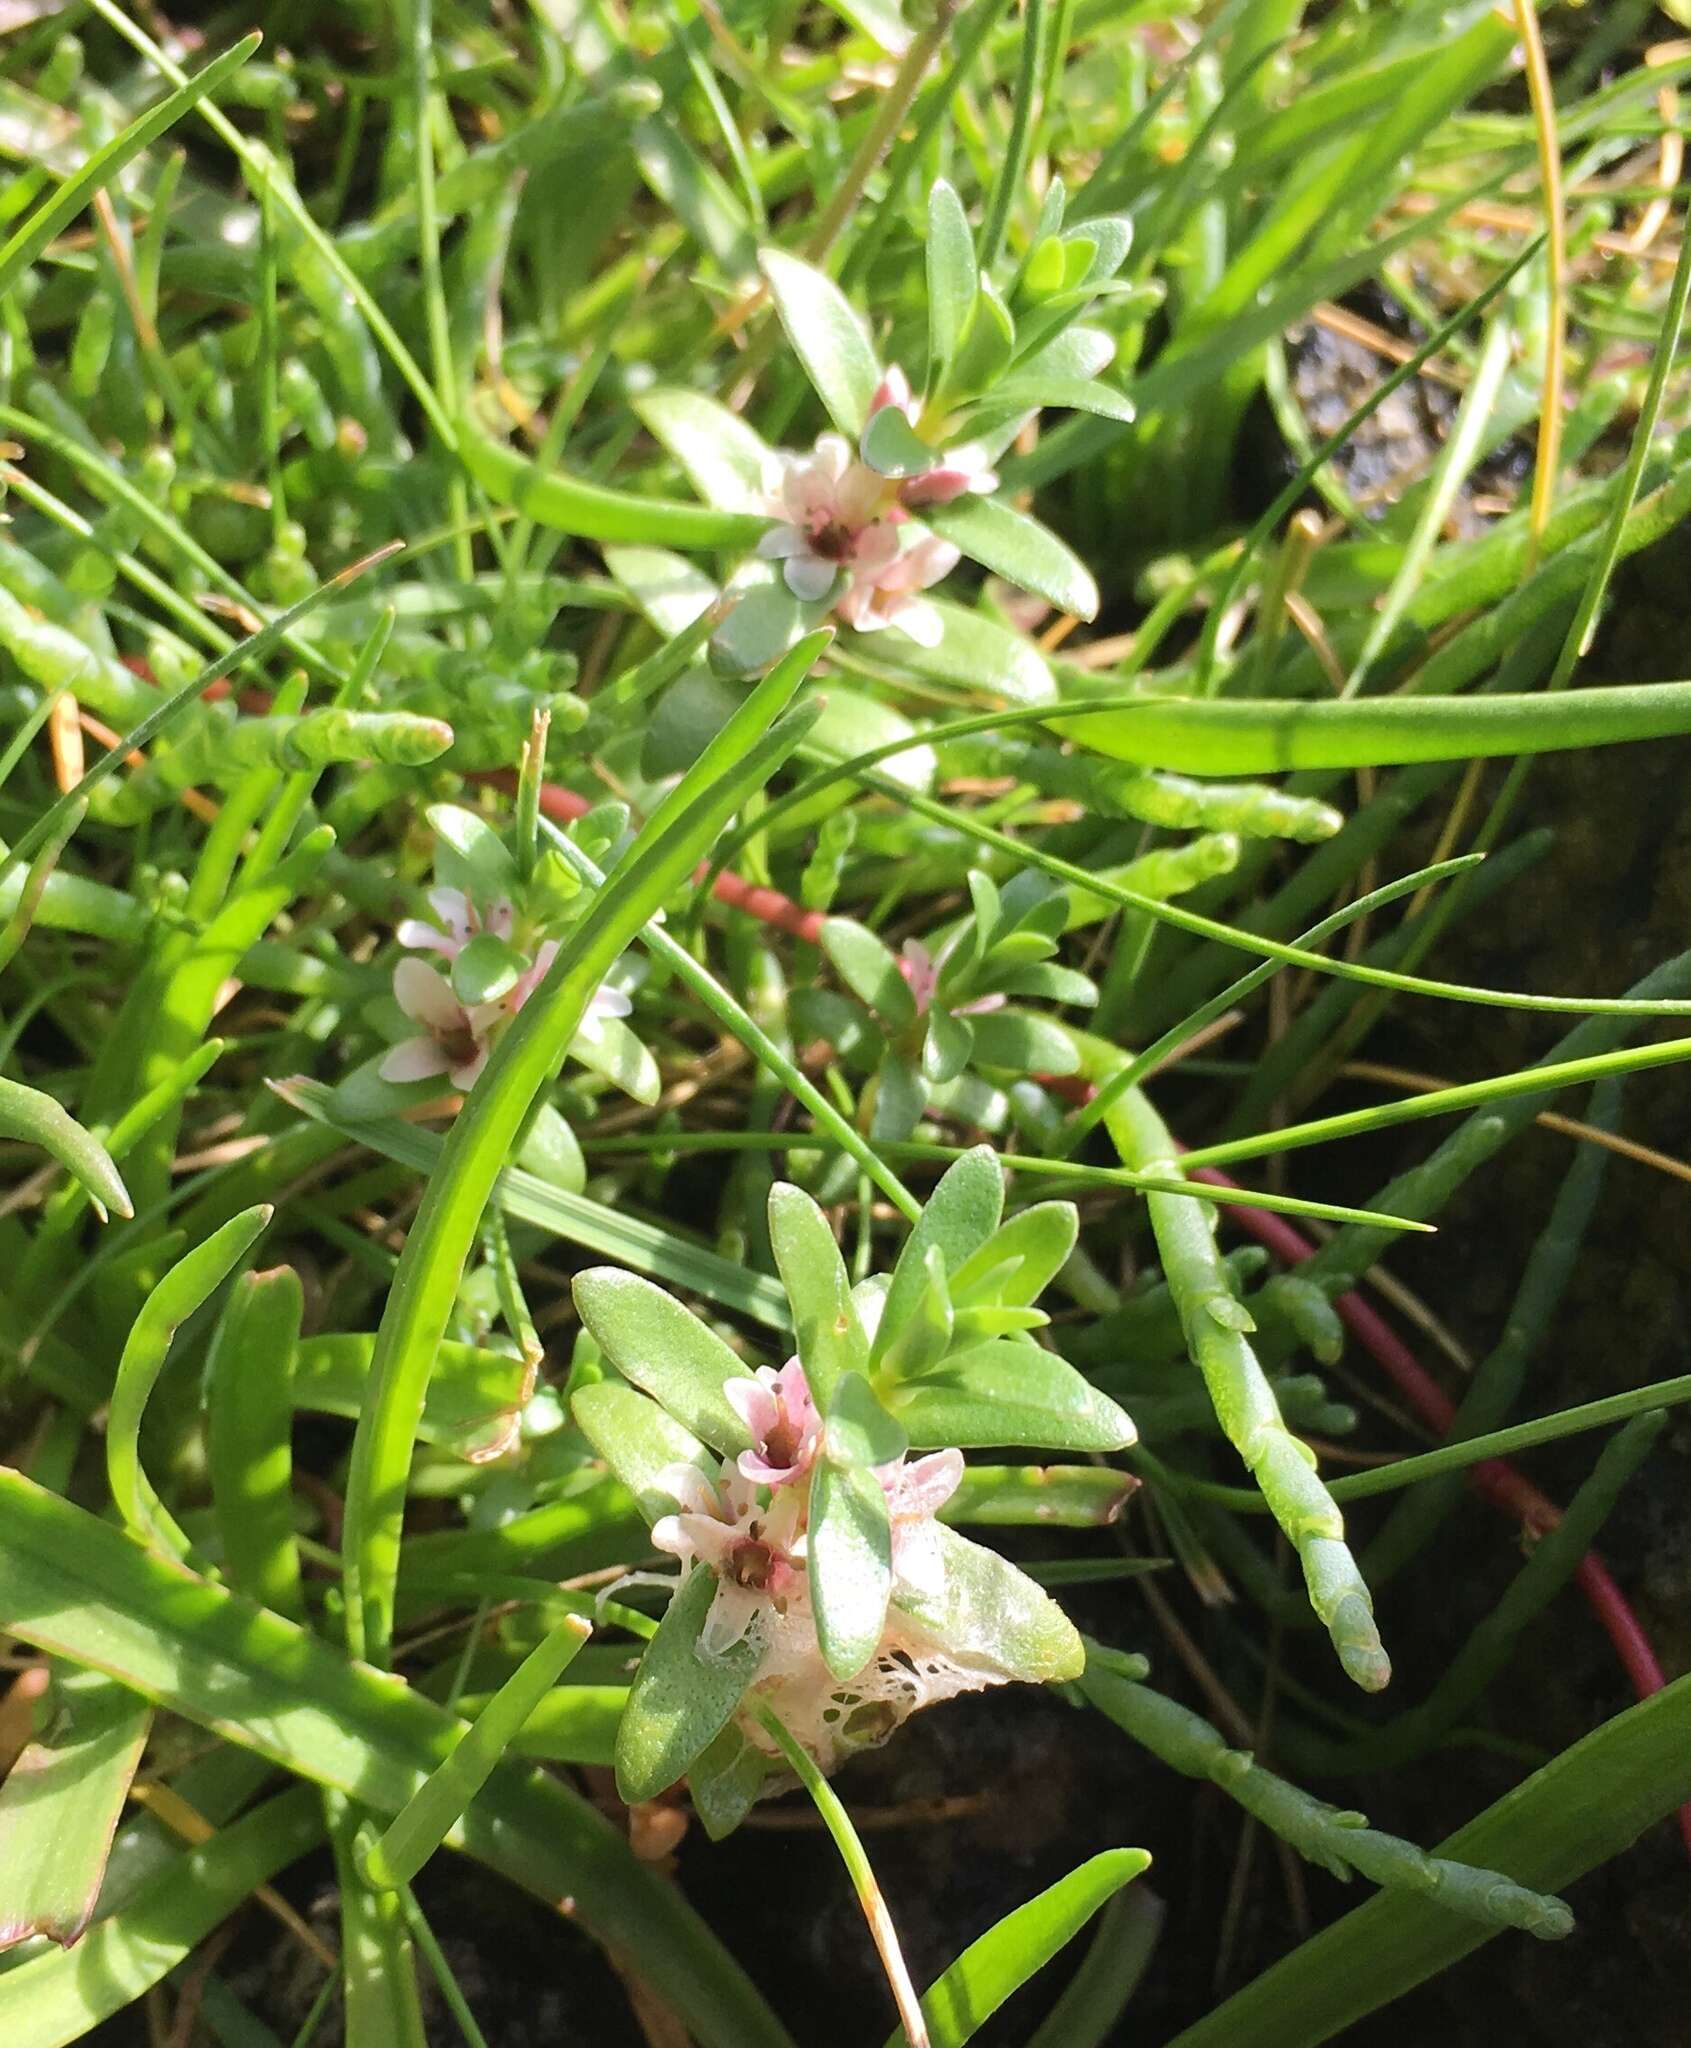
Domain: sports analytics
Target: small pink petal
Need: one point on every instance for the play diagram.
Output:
(423, 993)
(417, 1059)
(424, 938)
(731, 1614)
(917, 620)
(779, 542)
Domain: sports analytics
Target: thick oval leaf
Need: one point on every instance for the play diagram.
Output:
(860, 1432)
(831, 1338)
(994, 1615)
(901, 1095)
(1007, 1392)
(952, 275)
(1022, 1259)
(670, 592)
(725, 1782)
(947, 1047)
(989, 1970)
(849, 1551)
(664, 1349)
(680, 1699)
(1024, 1042)
(892, 447)
(976, 654)
(870, 971)
(985, 346)
(961, 1214)
(767, 620)
(637, 1440)
(1013, 546)
(609, 1047)
(853, 722)
(827, 336)
(686, 718)
(724, 460)
(924, 1333)
(486, 969)
(479, 862)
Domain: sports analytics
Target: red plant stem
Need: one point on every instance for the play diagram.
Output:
(767, 905)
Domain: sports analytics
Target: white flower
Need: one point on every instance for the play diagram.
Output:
(753, 1550)
(831, 513)
(455, 1039)
(463, 922)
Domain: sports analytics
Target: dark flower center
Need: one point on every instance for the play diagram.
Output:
(752, 1565)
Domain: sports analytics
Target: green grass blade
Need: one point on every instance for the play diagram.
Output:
(81, 1589)
(61, 1996)
(989, 1970)
(249, 1436)
(106, 162)
(60, 1803)
(422, 1824)
(738, 762)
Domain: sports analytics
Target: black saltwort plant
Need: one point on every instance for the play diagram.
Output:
(597, 590)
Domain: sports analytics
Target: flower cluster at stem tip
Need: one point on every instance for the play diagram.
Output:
(456, 1037)
(748, 1524)
(835, 516)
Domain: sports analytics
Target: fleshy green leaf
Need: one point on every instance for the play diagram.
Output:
(486, 969)
(1018, 548)
(665, 1350)
(828, 338)
(1023, 1042)
(952, 275)
(831, 1339)
(990, 1611)
(725, 461)
(985, 346)
(892, 447)
(947, 1047)
(1009, 1392)
(610, 1047)
(478, 860)
(672, 594)
(1022, 1259)
(860, 1432)
(977, 654)
(901, 1095)
(870, 970)
(680, 1699)
(924, 1335)
(849, 1550)
(637, 1440)
(725, 1782)
(961, 1214)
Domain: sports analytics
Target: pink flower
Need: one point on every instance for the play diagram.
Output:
(885, 593)
(786, 1429)
(455, 1039)
(915, 1494)
(750, 1548)
(605, 1001)
(921, 971)
(462, 919)
(958, 471)
(832, 516)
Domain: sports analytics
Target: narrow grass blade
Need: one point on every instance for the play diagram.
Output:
(989, 1970)
(80, 1588)
(59, 1806)
(421, 1825)
(249, 1436)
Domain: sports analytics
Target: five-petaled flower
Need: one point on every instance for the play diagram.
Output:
(786, 1429)
(832, 513)
(456, 1037)
(752, 1548)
